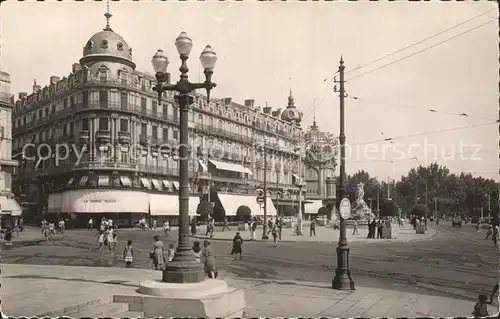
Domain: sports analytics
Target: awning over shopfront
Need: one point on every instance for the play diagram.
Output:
(54, 203)
(156, 184)
(313, 208)
(104, 201)
(203, 166)
(70, 181)
(176, 185)
(103, 180)
(145, 182)
(230, 167)
(84, 180)
(166, 185)
(163, 205)
(168, 205)
(270, 209)
(125, 181)
(9, 206)
(231, 203)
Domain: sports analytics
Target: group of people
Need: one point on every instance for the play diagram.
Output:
(161, 256)
(375, 227)
(107, 236)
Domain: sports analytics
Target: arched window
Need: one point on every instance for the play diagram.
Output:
(312, 181)
(220, 126)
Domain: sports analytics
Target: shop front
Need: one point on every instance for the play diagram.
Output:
(124, 207)
(163, 207)
(10, 211)
(312, 207)
(230, 203)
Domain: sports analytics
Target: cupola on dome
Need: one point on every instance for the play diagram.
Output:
(291, 113)
(107, 43)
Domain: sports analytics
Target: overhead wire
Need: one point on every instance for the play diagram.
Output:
(414, 44)
(420, 51)
(461, 114)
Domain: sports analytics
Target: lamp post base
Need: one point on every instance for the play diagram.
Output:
(183, 268)
(343, 279)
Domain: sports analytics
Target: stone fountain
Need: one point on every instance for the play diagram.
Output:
(360, 210)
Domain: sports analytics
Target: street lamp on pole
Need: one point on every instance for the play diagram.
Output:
(183, 268)
(342, 279)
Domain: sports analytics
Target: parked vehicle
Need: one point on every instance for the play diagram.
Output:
(456, 222)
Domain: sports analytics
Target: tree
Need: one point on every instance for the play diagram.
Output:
(244, 213)
(370, 185)
(389, 208)
(420, 210)
(205, 209)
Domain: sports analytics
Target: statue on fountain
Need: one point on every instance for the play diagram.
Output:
(359, 208)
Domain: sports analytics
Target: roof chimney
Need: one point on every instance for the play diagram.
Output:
(36, 87)
(227, 100)
(266, 110)
(76, 67)
(54, 79)
(277, 113)
(250, 103)
(22, 95)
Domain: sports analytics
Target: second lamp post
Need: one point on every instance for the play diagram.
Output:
(183, 268)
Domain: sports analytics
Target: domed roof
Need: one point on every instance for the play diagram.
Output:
(107, 43)
(291, 113)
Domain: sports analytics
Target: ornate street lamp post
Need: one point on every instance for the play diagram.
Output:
(183, 268)
(342, 279)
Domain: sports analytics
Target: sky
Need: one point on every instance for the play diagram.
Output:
(266, 49)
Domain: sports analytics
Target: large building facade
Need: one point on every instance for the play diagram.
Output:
(10, 210)
(98, 142)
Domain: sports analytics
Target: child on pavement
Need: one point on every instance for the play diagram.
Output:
(128, 254)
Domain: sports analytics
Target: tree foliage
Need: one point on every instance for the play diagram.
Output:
(205, 209)
(420, 210)
(389, 208)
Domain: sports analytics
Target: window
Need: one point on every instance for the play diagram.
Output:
(124, 100)
(155, 107)
(65, 103)
(176, 134)
(85, 124)
(123, 125)
(71, 128)
(103, 124)
(85, 98)
(34, 116)
(123, 76)
(46, 111)
(143, 105)
(154, 132)
(165, 110)
(53, 109)
(175, 112)
(144, 129)
(40, 115)
(71, 101)
(165, 134)
(103, 99)
(104, 44)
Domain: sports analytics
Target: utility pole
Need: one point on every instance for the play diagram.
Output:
(342, 279)
(264, 226)
(299, 217)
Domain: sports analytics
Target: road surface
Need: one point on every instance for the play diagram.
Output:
(458, 262)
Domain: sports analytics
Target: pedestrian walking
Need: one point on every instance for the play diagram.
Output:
(166, 228)
(193, 226)
(128, 254)
(280, 227)
(237, 243)
(355, 228)
(380, 226)
(253, 228)
(274, 232)
(212, 227)
(114, 243)
(312, 228)
(489, 233)
(62, 226)
(495, 235)
(208, 227)
(477, 226)
(157, 254)
(226, 225)
(91, 224)
(155, 224)
(100, 240)
(197, 251)
(208, 259)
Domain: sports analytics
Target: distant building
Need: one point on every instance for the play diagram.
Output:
(9, 208)
(122, 160)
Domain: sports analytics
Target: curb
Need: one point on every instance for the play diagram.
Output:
(363, 240)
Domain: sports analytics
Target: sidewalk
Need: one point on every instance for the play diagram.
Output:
(88, 292)
(323, 234)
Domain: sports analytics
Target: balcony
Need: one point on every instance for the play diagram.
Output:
(103, 136)
(124, 137)
(203, 175)
(84, 136)
(105, 166)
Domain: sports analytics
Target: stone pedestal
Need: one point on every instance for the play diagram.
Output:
(208, 299)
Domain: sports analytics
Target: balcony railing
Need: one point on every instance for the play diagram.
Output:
(106, 165)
